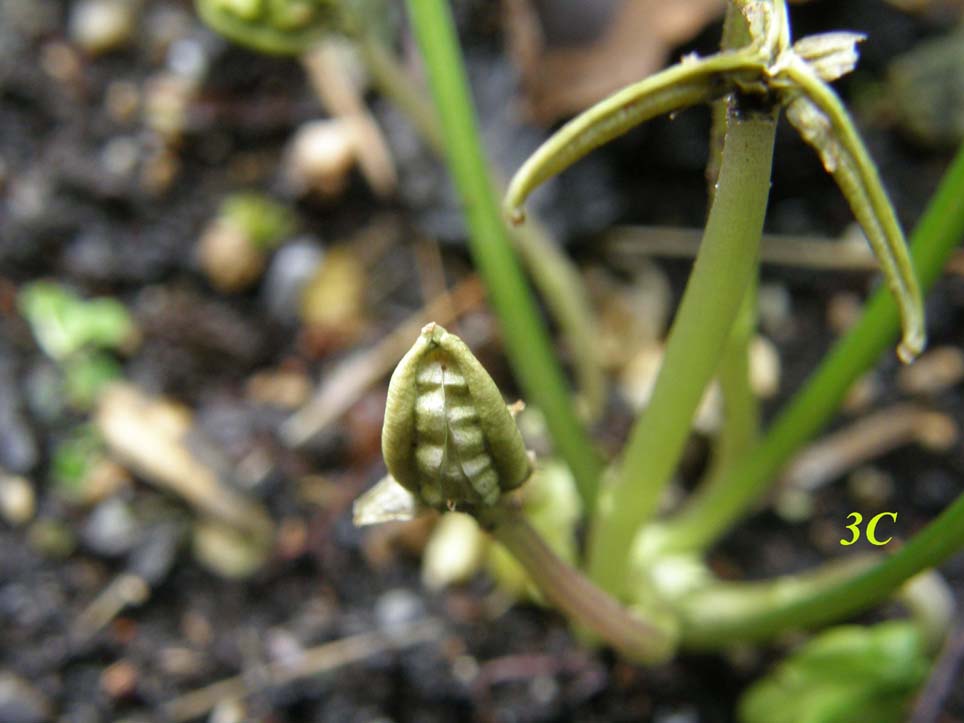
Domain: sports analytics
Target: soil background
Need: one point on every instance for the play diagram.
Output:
(71, 212)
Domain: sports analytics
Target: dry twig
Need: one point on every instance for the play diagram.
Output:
(867, 438)
(321, 659)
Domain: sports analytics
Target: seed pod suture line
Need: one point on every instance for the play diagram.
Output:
(448, 436)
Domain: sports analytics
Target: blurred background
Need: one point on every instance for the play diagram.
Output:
(210, 261)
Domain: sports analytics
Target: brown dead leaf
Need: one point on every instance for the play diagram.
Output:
(562, 79)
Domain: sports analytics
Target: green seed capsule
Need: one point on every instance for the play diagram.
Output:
(279, 27)
(448, 436)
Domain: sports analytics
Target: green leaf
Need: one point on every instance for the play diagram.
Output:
(845, 674)
(64, 324)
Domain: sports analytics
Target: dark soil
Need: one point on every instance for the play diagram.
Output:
(64, 216)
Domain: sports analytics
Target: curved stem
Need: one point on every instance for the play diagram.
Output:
(527, 342)
(640, 640)
(725, 613)
(724, 268)
(713, 509)
(729, 614)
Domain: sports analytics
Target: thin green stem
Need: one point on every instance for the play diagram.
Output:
(527, 342)
(567, 301)
(741, 410)
(725, 617)
(723, 270)
(638, 639)
(712, 511)
(553, 273)
(393, 82)
(741, 422)
(725, 612)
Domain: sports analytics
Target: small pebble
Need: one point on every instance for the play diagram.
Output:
(165, 102)
(863, 393)
(225, 551)
(397, 608)
(465, 669)
(544, 689)
(775, 309)
(229, 259)
(51, 538)
(119, 680)
(794, 505)
(334, 297)
(122, 100)
(20, 702)
(90, 256)
(291, 268)
(98, 26)
(280, 388)
(120, 156)
(229, 710)
(156, 552)
(454, 551)
(187, 58)
(18, 448)
(320, 157)
(843, 310)
(684, 714)
(870, 487)
(61, 62)
(18, 502)
(764, 367)
(111, 529)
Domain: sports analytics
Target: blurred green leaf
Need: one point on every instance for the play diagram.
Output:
(263, 221)
(64, 324)
(73, 459)
(85, 375)
(845, 674)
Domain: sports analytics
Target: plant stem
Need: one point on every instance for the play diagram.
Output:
(553, 273)
(724, 268)
(741, 410)
(741, 413)
(639, 640)
(391, 81)
(711, 512)
(727, 612)
(716, 619)
(527, 342)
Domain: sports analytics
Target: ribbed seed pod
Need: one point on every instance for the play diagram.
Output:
(448, 436)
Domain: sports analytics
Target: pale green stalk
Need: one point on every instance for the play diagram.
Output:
(527, 342)
(741, 409)
(640, 639)
(724, 268)
(715, 508)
